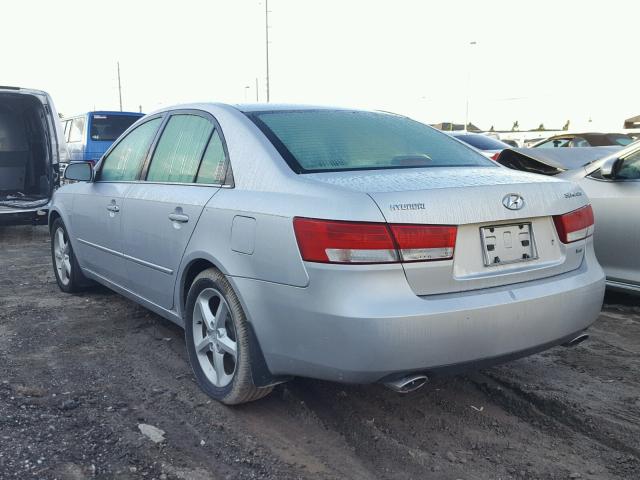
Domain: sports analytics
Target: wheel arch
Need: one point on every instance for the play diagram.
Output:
(262, 376)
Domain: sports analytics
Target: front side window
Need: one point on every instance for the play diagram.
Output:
(76, 131)
(328, 140)
(630, 168)
(106, 128)
(125, 160)
(180, 148)
(212, 170)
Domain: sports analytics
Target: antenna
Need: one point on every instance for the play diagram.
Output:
(119, 87)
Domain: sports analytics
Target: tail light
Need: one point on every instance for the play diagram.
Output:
(495, 156)
(330, 241)
(425, 242)
(576, 225)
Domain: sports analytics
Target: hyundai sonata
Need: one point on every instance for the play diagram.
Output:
(338, 244)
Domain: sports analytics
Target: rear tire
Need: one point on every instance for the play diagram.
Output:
(217, 340)
(65, 265)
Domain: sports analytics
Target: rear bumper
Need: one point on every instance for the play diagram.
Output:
(364, 325)
(16, 216)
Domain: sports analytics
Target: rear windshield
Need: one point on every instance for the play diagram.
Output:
(482, 142)
(332, 140)
(110, 127)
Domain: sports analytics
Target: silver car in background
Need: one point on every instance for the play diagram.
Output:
(344, 245)
(610, 176)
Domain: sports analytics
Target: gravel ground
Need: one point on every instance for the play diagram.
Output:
(79, 374)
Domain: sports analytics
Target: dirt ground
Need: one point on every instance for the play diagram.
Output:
(78, 374)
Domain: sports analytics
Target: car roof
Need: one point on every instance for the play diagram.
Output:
(459, 133)
(270, 107)
(31, 91)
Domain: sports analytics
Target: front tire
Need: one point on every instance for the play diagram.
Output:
(217, 339)
(65, 265)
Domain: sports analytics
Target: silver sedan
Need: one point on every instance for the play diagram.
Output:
(337, 244)
(610, 176)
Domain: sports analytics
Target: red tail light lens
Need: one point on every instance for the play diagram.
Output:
(425, 242)
(576, 225)
(330, 241)
(495, 156)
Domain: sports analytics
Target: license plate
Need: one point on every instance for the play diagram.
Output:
(503, 244)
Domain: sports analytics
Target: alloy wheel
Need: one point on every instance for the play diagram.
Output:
(214, 337)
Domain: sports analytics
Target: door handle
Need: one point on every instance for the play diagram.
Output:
(179, 217)
(113, 208)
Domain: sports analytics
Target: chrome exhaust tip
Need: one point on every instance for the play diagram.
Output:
(407, 384)
(575, 341)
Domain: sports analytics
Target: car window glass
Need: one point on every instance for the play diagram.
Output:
(324, 140)
(180, 149)
(124, 161)
(107, 128)
(212, 169)
(630, 168)
(76, 132)
(554, 143)
(482, 142)
(578, 142)
(67, 123)
(621, 140)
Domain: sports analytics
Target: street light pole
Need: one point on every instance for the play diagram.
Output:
(266, 31)
(119, 87)
(466, 113)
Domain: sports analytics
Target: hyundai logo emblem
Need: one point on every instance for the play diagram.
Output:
(513, 201)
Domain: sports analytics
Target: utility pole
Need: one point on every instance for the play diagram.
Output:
(119, 87)
(257, 98)
(266, 30)
(466, 114)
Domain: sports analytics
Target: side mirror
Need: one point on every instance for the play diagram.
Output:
(79, 172)
(609, 168)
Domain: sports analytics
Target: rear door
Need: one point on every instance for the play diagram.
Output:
(187, 168)
(617, 223)
(97, 207)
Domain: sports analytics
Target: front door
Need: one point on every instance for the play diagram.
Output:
(97, 209)
(615, 205)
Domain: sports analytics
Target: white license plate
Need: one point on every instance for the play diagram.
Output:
(508, 244)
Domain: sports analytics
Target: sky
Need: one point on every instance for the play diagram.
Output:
(531, 61)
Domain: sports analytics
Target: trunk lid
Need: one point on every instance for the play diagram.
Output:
(472, 199)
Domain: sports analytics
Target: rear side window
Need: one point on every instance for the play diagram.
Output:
(76, 131)
(110, 127)
(124, 161)
(212, 170)
(326, 140)
(180, 149)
